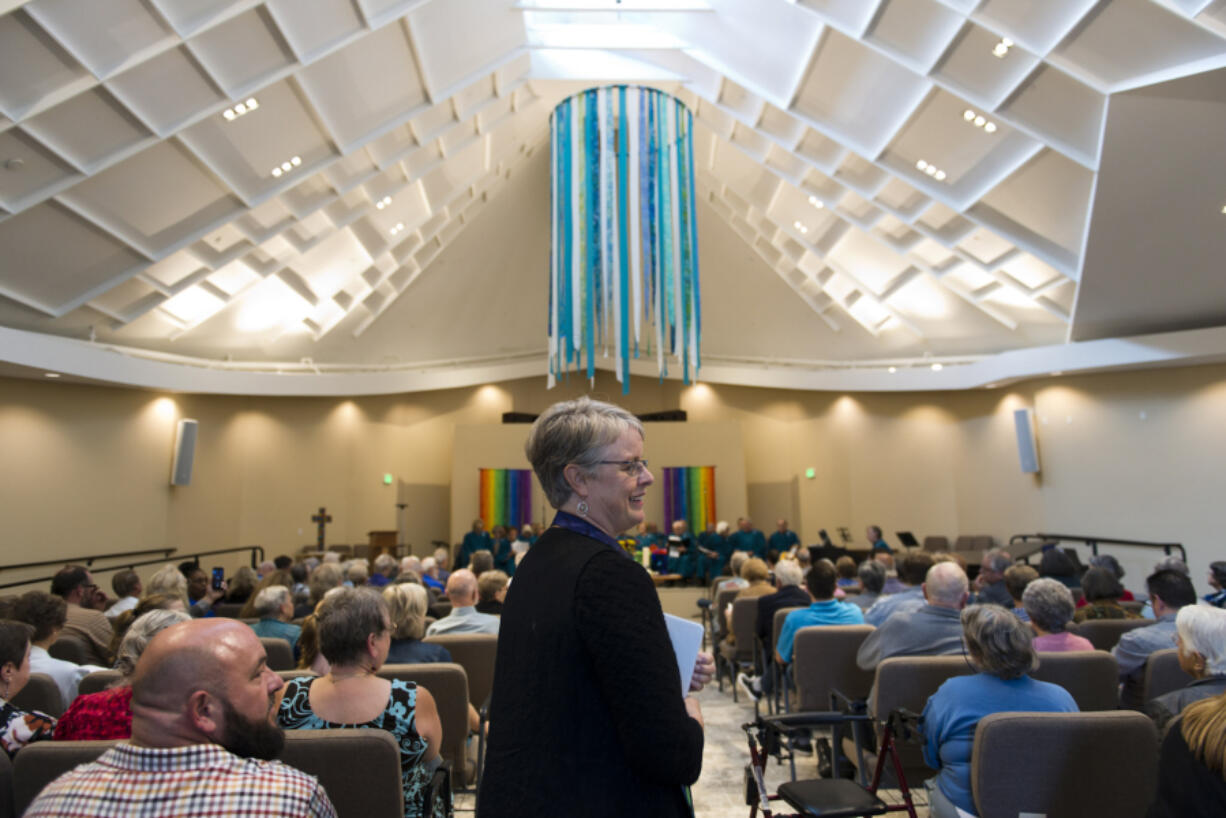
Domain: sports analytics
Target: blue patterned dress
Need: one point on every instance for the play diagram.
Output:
(399, 719)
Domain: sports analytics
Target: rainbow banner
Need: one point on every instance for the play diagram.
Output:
(506, 496)
(689, 494)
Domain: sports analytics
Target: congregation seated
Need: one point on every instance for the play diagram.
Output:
(384, 571)
(990, 584)
(46, 615)
(202, 697)
(324, 578)
(430, 576)
(735, 581)
(309, 657)
(1200, 637)
(107, 714)
(76, 586)
(1049, 609)
(913, 567)
(491, 592)
(748, 539)
(147, 603)
(789, 594)
(357, 572)
(1017, 580)
(1102, 596)
(1169, 590)
(169, 580)
(824, 610)
(757, 574)
(464, 616)
(128, 590)
(872, 576)
(1000, 648)
(1192, 763)
(240, 586)
(407, 604)
(845, 567)
(932, 629)
(300, 592)
(201, 595)
(18, 727)
(272, 579)
(355, 633)
(275, 608)
(481, 562)
(1059, 566)
(892, 583)
(1112, 565)
(477, 539)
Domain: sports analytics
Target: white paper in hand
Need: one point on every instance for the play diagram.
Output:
(687, 641)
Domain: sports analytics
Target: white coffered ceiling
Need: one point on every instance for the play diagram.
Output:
(356, 191)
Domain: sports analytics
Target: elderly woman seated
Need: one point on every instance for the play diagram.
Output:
(355, 633)
(1049, 605)
(1102, 592)
(1200, 637)
(406, 604)
(107, 714)
(17, 727)
(999, 647)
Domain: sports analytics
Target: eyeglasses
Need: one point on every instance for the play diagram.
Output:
(631, 467)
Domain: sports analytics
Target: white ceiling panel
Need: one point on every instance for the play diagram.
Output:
(103, 34)
(167, 91)
(460, 38)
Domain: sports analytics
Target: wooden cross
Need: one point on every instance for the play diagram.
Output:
(321, 519)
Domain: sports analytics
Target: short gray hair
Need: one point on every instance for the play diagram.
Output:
(946, 583)
(1049, 603)
(323, 579)
(346, 617)
(140, 633)
(1202, 628)
(872, 576)
(998, 560)
(998, 642)
(1172, 563)
(268, 602)
(356, 571)
(736, 561)
(788, 573)
(573, 432)
(407, 604)
(384, 561)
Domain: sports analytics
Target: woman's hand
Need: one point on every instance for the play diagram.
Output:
(695, 713)
(704, 671)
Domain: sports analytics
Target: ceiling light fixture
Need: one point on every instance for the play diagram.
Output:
(892, 370)
(287, 166)
(979, 120)
(816, 202)
(930, 169)
(800, 227)
(245, 107)
(382, 203)
(937, 367)
(51, 374)
(397, 229)
(1002, 48)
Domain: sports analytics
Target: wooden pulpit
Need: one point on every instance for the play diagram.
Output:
(383, 542)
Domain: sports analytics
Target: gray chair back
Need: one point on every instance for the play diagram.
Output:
(71, 648)
(722, 600)
(40, 763)
(280, 654)
(1105, 633)
(715, 584)
(475, 653)
(935, 543)
(776, 627)
(1057, 764)
(41, 693)
(745, 627)
(1163, 674)
(359, 769)
(824, 660)
(228, 610)
(1092, 677)
(99, 680)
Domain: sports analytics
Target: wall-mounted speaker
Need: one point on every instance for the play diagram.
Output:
(1027, 444)
(185, 453)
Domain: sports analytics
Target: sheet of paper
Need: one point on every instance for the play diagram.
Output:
(687, 641)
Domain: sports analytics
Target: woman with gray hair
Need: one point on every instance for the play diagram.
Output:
(107, 714)
(587, 701)
(999, 647)
(1049, 604)
(1200, 638)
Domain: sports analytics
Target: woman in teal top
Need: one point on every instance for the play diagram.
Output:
(999, 646)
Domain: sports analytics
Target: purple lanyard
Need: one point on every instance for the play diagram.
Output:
(564, 519)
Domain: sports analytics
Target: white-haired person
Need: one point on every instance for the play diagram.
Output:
(430, 575)
(274, 607)
(385, 570)
(588, 712)
(1200, 637)
(1049, 609)
(933, 629)
(107, 714)
(1000, 647)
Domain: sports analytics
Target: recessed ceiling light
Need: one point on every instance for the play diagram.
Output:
(800, 227)
(240, 108)
(1057, 374)
(816, 202)
(939, 176)
(937, 367)
(921, 165)
(990, 127)
(931, 170)
(51, 374)
(1002, 48)
(1224, 208)
(397, 229)
(968, 114)
(892, 370)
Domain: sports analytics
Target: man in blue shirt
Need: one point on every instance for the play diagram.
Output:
(747, 538)
(275, 608)
(782, 540)
(873, 532)
(825, 610)
(912, 570)
(1168, 591)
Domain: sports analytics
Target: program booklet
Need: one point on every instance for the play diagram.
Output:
(686, 637)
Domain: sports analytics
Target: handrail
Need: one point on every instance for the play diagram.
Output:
(166, 552)
(1094, 542)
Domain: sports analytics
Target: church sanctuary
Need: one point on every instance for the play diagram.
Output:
(466, 365)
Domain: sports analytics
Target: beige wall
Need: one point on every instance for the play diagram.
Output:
(1136, 455)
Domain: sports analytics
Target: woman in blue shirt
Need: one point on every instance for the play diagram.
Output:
(998, 646)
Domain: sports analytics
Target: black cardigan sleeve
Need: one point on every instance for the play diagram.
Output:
(621, 625)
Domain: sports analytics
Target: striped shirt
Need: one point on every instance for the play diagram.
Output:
(194, 781)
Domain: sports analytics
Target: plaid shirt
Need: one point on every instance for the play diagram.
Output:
(195, 781)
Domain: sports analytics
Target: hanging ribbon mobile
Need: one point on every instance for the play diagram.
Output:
(623, 266)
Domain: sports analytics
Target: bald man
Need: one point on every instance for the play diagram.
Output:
(933, 629)
(464, 616)
(203, 734)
